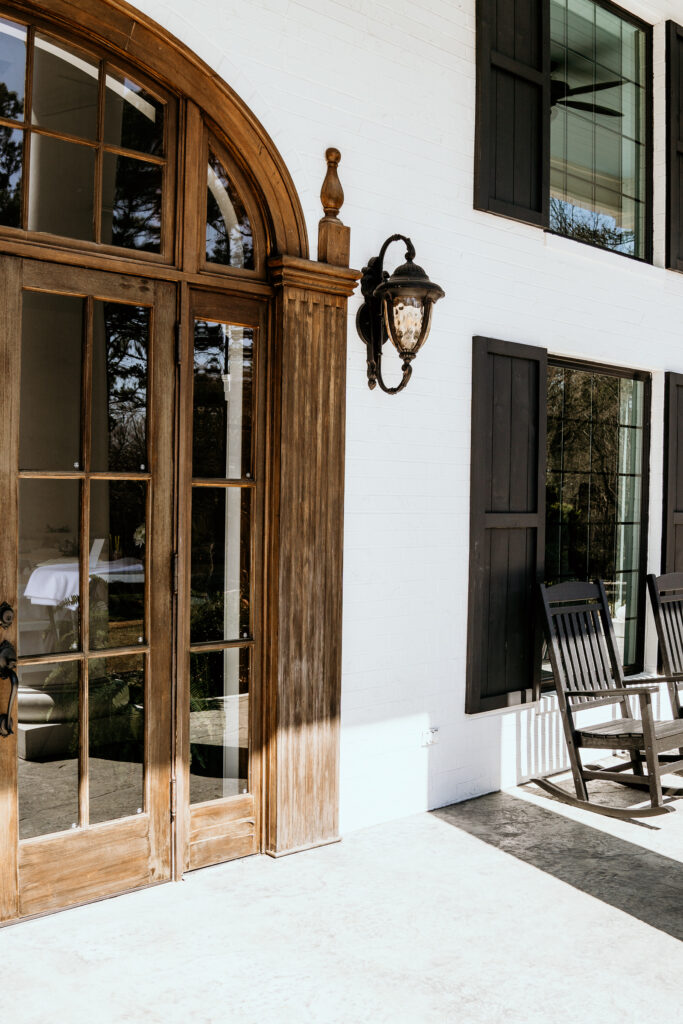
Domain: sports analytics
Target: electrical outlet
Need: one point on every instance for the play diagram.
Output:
(430, 736)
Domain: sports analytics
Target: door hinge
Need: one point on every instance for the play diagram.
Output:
(175, 570)
(174, 801)
(176, 331)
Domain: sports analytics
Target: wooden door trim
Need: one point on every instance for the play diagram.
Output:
(10, 303)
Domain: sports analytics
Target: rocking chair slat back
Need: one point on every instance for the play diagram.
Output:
(588, 673)
(581, 642)
(666, 595)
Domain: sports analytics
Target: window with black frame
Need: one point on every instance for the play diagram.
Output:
(596, 489)
(598, 126)
(563, 135)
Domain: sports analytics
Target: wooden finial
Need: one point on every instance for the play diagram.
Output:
(332, 194)
(334, 240)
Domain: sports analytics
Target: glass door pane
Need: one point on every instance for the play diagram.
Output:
(54, 555)
(221, 559)
(221, 524)
(92, 587)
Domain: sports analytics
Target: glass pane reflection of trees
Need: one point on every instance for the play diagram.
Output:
(598, 127)
(594, 488)
(119, 403)
(123, 208)
(222, 402)
(228, 232)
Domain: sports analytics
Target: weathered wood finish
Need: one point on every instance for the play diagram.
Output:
(507, 523)
(588, 674)
(296, 648)
(10, 303)
(217, 836)
(78, 867)
(334, 239)
(305, 547)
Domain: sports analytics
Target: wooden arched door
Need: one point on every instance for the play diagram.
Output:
(134, 347)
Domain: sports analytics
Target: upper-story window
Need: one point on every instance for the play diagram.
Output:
(563, 136)
(597, 126)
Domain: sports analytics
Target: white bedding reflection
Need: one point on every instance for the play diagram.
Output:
(54, 582)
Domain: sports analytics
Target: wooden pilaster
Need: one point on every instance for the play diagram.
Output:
(306, 552)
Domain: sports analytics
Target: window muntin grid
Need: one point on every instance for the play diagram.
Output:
(594, 489)
(598, 127)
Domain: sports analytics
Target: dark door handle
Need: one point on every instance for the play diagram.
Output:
(8, 661)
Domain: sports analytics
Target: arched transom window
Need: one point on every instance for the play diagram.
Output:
(89, 155)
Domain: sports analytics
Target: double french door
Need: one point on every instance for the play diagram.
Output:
(131, 474)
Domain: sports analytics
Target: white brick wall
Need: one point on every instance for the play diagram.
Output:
(392, 84)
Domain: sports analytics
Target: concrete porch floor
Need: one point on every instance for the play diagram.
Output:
(509, 908)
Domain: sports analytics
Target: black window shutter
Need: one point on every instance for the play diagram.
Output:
(672, 532)
(674, 146)
(512, 144)
(507, 523)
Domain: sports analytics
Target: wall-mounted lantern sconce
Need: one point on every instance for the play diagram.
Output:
(397, 307)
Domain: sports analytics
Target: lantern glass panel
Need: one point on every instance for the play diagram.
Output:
(404, 316)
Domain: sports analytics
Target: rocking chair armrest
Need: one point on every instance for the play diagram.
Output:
(675, 677)
(642, 689)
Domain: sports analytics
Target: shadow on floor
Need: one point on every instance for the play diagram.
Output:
(642, 883)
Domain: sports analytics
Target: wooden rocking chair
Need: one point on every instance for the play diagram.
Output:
(588, 674)
(666, 596)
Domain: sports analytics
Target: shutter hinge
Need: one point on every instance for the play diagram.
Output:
(174, 801)
(176, 332)
(175, 571)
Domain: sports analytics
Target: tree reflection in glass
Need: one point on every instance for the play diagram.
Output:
(228, 231)
(593, 488)
(131, 203)
(12, 87)
(223, 379)
(133, 117)
(119, 403)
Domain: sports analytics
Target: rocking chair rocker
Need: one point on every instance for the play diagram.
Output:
(588, 674)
